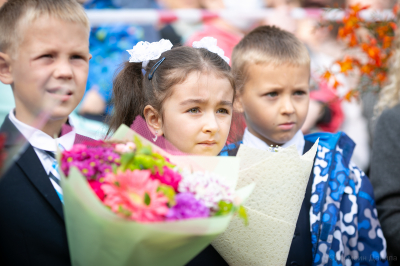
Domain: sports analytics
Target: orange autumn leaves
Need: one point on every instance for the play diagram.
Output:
(375, 44)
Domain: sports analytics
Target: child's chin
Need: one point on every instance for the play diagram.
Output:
(207, 151)
(282, 139)
(60, 113)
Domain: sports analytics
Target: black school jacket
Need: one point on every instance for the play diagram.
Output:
(32, 229)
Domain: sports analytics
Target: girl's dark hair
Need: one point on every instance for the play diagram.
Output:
(132, 90)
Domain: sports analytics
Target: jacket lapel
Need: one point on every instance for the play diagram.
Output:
(26, 158)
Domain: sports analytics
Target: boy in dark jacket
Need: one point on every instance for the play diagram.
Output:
(338, 223)
(44, 56)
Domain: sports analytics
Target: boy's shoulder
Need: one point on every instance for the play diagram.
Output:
(231, 149)
(333, 142)
(14, 139)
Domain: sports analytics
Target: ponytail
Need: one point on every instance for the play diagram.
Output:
(128, 97)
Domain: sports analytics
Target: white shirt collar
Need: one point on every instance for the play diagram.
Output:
(253, 141)
(41, 140)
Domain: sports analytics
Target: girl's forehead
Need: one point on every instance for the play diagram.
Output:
(205, 86)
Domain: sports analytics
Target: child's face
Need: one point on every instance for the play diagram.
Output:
(275, 101)
(50, 69)
(197, 116)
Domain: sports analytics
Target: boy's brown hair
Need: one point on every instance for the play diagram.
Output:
(16, 15)
(267, 45)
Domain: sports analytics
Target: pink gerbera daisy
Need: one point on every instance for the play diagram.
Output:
(134, 194)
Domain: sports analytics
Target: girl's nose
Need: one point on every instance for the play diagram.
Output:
(210, 123)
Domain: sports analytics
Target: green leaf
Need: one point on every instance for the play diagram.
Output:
(224, 208)
(159, 165)
(124, 211)
(147, 199)
(137, 142)
(170, 165)
(126, 160)
(158, 156)
(169, 192)
(147, 150)
(146, 161)
(243, 214)
(114, 168)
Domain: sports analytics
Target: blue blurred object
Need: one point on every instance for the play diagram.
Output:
(108, 45)
(6, 101)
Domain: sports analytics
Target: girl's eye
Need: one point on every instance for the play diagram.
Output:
(194, 110)
(223, 111)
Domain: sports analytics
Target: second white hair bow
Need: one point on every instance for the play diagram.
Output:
(145, 51)
(210, 44)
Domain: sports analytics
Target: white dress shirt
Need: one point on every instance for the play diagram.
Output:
(41, 141)
(253, 141)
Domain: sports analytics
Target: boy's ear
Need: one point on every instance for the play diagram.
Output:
(238, 104)
(153, 120)
(5, 69)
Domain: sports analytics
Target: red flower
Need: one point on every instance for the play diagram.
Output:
(96, 187)
(346, 64)
(377, 47)
(327, 75)
(387, 42)
(169, 177)
(367, 69)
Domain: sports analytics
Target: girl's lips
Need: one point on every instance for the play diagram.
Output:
(208, 143)
(287, 126)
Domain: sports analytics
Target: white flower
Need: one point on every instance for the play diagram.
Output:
(145, 51)
(124, 148)
(207, 187)
(210, 44)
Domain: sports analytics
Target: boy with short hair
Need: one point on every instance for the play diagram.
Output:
(338, 223)
(44, 56)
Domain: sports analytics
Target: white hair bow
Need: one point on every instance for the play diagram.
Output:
(210, 44)
(145, 51)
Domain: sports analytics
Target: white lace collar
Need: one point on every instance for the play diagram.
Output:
(252, 141)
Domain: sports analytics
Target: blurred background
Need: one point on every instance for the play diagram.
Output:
(185, 21)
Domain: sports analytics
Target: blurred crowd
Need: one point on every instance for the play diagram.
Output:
(108, 44)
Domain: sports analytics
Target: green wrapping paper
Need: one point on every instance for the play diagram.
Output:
(97, 236)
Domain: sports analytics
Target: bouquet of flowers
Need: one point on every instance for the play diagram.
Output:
(127, 202)
(273, 207)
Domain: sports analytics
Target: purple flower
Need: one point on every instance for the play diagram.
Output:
(85, 168)
(103, 170)
(94, 162)
(187, 206)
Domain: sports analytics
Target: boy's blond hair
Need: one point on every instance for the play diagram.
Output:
(267, 45)
(16, 15)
